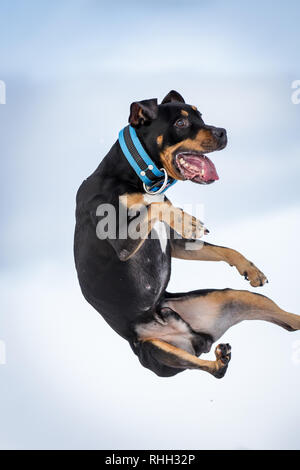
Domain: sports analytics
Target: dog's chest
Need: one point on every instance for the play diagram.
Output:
(160, 230)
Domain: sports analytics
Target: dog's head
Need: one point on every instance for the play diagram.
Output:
(176, 137)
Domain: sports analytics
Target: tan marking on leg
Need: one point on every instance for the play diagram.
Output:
(176, 357)
(172, 331)
(207, 252)
(184, 224)
(216, 311)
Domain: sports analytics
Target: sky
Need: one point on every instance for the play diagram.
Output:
(71, 70)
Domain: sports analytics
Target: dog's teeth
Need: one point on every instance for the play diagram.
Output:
(202, 172)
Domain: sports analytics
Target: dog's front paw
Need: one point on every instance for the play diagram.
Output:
(188, 226)
(192, 227)
(254, 275)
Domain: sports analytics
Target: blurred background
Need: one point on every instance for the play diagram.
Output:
(71, 70)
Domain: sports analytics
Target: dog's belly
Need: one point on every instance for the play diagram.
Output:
(124, 291)
(150, 269)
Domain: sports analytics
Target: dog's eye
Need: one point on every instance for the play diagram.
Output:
(181, 123)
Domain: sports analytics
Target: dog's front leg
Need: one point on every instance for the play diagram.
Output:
(144, 211)
(198, 250)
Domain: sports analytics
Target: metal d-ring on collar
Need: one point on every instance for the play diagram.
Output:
(150, 189)
(155, 181)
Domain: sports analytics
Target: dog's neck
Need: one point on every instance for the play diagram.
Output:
(115, 165)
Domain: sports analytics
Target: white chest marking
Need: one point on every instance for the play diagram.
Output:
(148, 198)
(161, 231)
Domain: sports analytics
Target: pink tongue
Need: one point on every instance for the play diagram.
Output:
(200, 166)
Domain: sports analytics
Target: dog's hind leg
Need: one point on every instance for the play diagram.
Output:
(166, 359)
(214, 311)
(167, 345)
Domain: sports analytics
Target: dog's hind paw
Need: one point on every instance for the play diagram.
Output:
(223, 356)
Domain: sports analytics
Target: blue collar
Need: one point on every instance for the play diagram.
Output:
(154, 180)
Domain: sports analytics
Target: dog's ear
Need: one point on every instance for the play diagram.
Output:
(173, 96)
(142, 112)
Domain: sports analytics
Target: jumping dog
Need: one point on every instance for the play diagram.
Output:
(125, 278)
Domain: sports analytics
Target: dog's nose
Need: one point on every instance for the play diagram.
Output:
(219, 132)
(221, 135)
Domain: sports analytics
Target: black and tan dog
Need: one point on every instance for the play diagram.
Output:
(125, 278)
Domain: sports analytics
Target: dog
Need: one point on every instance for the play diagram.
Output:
(125, 277)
